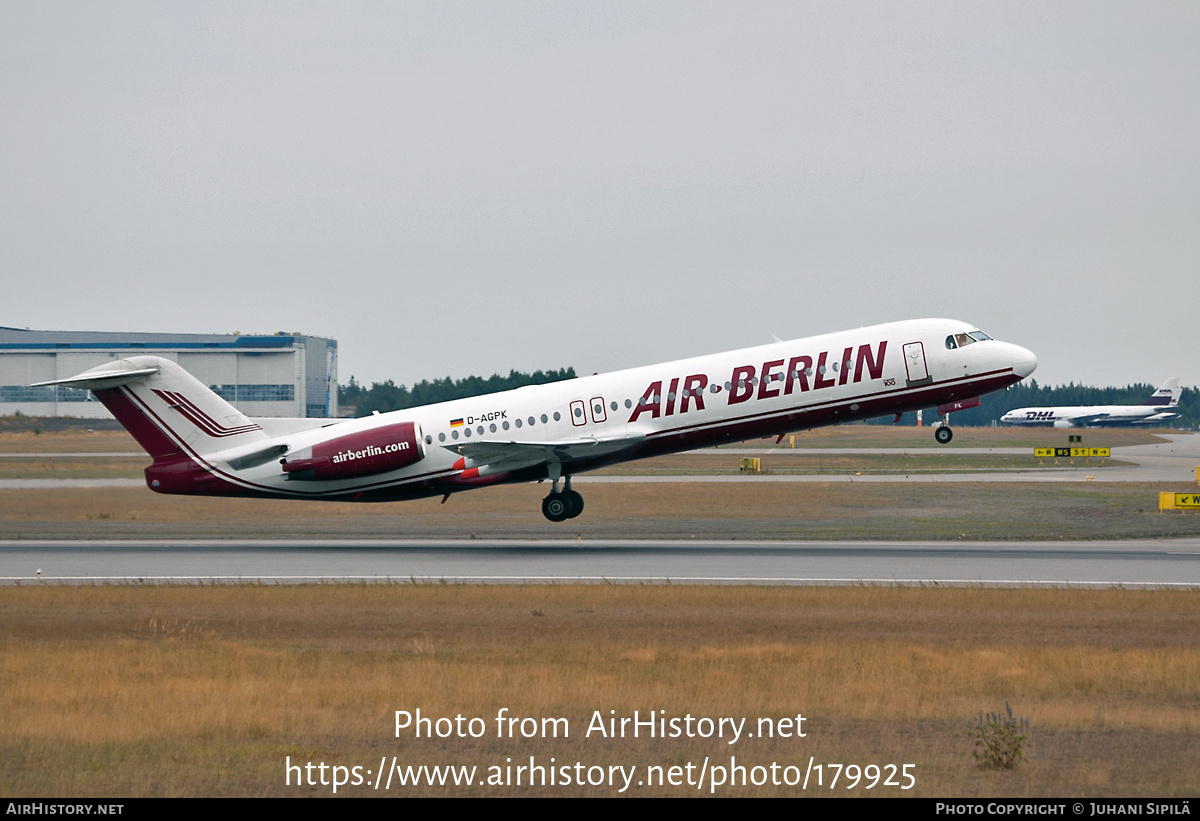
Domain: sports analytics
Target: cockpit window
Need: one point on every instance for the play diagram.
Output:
(962, 340)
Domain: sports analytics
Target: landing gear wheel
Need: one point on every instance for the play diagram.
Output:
(576, 503)
(558, 507)
(943, 435)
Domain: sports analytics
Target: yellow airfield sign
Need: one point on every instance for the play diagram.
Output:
(1179, 501)
(1071, 453)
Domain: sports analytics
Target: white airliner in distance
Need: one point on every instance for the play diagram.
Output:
(1155, 411)
(202, 445)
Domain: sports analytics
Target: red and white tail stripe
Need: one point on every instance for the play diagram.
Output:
(199, 418)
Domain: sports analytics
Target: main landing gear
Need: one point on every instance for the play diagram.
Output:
(558, 507)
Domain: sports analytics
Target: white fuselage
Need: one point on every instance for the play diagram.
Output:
(1081, 416)
(564, 427)
(202, 445)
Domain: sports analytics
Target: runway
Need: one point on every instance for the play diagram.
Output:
(1164, 563)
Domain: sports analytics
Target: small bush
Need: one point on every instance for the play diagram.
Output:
(999, 739)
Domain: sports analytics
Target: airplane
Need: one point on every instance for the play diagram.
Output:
(1153, 411)
(201, 445)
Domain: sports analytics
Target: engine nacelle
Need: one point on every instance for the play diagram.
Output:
(377, 450)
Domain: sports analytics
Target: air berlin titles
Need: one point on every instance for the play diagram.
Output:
(376, 450)
(370, 450)
(766, 382)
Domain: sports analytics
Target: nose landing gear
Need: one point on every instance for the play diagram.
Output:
(942, 432)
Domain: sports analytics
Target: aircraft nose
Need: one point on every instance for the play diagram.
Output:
(1024, 362)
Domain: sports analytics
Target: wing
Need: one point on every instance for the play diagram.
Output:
(497, 456)
(1086, 419)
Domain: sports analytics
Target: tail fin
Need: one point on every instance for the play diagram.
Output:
(1167, 395)
(166, 409)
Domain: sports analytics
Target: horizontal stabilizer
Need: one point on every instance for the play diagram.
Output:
(109, 375)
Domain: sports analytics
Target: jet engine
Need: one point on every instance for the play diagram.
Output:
(366, 452)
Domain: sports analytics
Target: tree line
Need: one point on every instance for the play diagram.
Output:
(1030, 394)
(358, 400)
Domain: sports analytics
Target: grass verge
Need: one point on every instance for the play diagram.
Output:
(126, 691)
(652, 510)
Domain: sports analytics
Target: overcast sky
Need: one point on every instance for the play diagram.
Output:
(454, 189)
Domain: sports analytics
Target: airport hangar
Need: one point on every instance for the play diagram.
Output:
(281, 374)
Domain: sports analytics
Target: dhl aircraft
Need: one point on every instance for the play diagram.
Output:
(202, 445)
(1154, 411)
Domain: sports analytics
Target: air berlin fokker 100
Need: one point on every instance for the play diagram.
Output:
(202, 445)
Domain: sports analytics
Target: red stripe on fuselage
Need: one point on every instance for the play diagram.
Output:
(917, 397)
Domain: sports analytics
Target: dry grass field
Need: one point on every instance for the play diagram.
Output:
(809, 510)
(76, 440)
(128, 691)
(205, 691)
